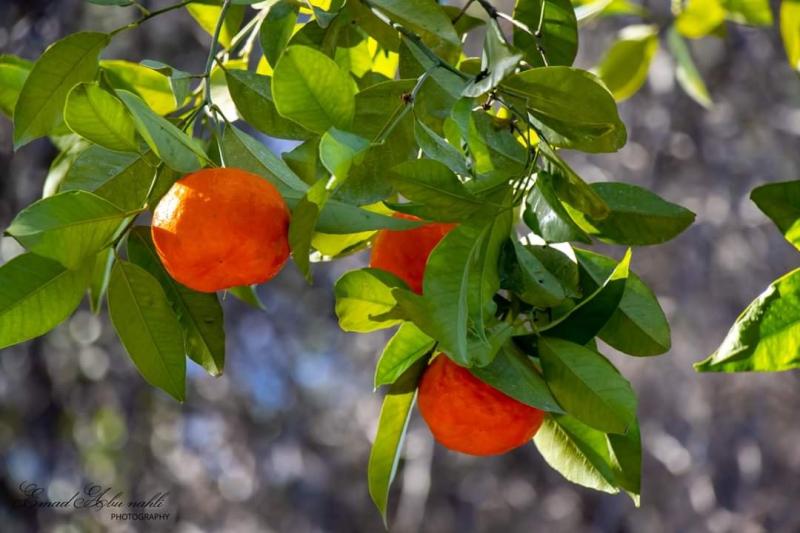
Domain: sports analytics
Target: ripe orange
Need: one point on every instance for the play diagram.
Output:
(221, 228)
(469, 416)
(404, 253)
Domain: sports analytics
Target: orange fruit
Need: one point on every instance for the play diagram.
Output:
(405, 252)
(469, 416)
(220, 228)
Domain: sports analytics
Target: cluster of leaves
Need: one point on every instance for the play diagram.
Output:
(388, 115)
(625, 65)
(766, 336)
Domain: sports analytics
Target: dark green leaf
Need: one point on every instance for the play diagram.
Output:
(101, 274)
(781, 203)
(587, 385)
(439, 149)
(559, 31)
(638, 326)
(277, 29)
(423, 15)
(498, 61)
(547, 217)
(432, 184)
(570, 187)
(526, 276)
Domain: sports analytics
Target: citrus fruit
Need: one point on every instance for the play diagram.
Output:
(405, 252)
(221, 228)
(467, 415)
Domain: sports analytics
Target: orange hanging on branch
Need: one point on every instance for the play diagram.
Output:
(221, 228)
(469, 416)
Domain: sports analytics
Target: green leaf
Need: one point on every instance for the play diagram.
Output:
(588, 318)
(497, 61)
(147, 327)
(72, 60)
(437, 148)
(781, 203)
(339, 151)
(526, 276)
(179, 80)
(248, 295)
(422, 15)
(37, 294)
(123, 179)
(753, 12)
(577, 451)
(68, 227)
(625, 452)
(207, 16)
(431, 183)
(199, 314)
(547, 217)
(177, 149)
(513, 373)
(686, 72)
(362, 296)
(638, 217)
(790, 31)
(559, 31)
(277, 29)
(303, 223)
(625, 66)
(13, 73)
(100, 117)
(590, 123)
(700, 18)
(101, 274)
(587, 385)
(407, 346)
(252, 95)
(310, 88)
(638, 326)
(152, 86)
(392, 424)
(570, 187)
(766, 336)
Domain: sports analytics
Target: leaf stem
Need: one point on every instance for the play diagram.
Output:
(147, 15)
(212, 52)
(463, 11)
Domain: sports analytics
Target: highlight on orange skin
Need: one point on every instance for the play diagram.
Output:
(468, 416)
(221, 228)
(404, 253)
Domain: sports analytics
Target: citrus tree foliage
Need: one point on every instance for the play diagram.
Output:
(387, 114)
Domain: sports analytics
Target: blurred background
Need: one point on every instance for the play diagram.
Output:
(280, 442)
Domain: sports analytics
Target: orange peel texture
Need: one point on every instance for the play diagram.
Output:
(404, 253)
(221, 228)
(468, 416)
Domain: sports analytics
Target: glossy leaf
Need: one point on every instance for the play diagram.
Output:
(547, 217)
(625, 66)
(176, 148)
(570, 187)
(637, 216)
(497, 61)
(587, 385)
(199, 314)
(72, 60)
(68, 227)
(559, 31)
(432, 184)
(405, 348)
(37, 294)
(309, 88)
(101, 118)
(392, 424)
(638, 326)
(526, 276)
(436, 147)
(149, 84)
(423, 15)
(277, 29)
(362, 296)
(766, 336)
(781, 203)
(147, 327)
